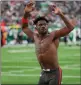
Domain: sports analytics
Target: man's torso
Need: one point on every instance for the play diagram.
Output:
(46, 50)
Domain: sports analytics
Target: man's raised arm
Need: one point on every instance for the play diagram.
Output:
(27, 10)
(70, 24)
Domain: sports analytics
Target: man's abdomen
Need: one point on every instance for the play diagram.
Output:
(49, 59)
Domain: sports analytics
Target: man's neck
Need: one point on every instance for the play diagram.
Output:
(43, 35)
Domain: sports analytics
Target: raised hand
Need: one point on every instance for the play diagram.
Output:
(30, 6)
(56, 9)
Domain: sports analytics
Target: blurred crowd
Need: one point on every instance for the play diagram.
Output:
(12, 12)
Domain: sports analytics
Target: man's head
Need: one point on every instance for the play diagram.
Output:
(41, 25)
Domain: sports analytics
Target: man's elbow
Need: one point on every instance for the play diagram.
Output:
(24, 27)
(24, 30)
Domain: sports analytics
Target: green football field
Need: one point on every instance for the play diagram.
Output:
(20, 66)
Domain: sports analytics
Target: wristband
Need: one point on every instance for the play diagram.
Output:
(24, 20)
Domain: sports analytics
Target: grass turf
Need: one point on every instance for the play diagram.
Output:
(20, 66)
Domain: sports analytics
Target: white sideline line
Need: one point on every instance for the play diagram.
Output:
(33, 45)
(19, 46)
(19, 61)
(34, 57)
(18, 71)
(67, 56)
(33, 75)
(74, 48)
(20, 51)
(72, 65)
(27, 50)
(32, 50)
(35, 68)
(31, 67)
(71, 76)
(69, 61)
(24, 60)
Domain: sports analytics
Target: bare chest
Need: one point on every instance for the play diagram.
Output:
(42, 45)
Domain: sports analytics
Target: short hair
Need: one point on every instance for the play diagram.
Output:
(40, 18)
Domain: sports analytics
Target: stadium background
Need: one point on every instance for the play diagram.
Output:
(19, 63)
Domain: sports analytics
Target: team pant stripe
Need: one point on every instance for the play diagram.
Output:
(60, 75)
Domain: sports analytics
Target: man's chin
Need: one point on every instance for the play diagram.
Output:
(43, 33)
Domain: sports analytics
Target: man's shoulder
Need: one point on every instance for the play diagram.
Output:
(35, 35)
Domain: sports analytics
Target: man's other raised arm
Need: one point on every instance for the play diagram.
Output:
(65, 30)
(70, 24)
(27, 10)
